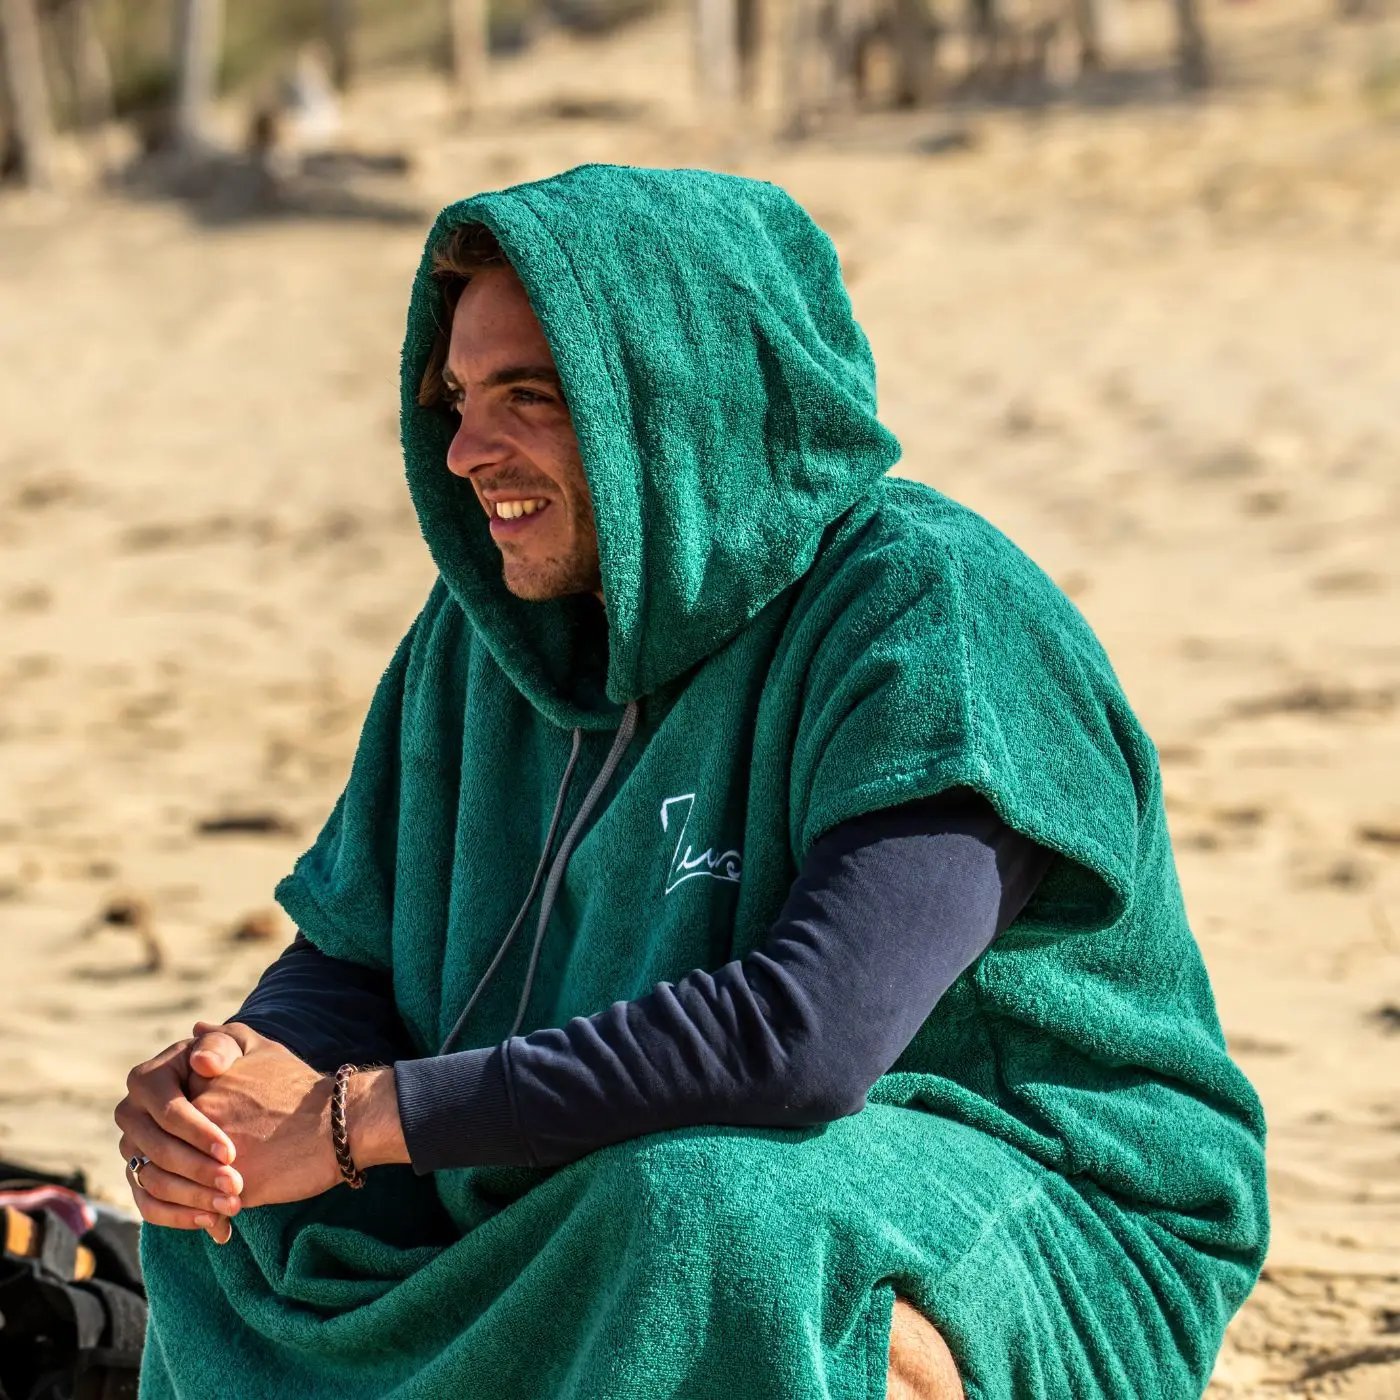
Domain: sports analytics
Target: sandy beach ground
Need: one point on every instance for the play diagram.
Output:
(1155, 343)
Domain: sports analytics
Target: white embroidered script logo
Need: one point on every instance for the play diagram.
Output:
(727, 865)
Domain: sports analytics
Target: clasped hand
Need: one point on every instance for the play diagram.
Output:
(228, 1119)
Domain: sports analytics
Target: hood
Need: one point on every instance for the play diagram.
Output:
(723, 397)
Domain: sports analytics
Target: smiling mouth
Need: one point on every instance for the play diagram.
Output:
(514, 509)
(513, 517)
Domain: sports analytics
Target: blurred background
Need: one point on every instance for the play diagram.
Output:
(1131, 270)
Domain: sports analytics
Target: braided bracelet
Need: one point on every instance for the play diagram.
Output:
(340, 1134)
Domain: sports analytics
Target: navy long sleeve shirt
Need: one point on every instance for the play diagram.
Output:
(887, 910)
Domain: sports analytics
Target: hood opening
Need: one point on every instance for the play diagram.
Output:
(723, 397)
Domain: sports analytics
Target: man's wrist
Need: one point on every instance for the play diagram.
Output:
(372, 1119)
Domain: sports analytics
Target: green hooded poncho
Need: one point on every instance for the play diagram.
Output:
(1064, 1170)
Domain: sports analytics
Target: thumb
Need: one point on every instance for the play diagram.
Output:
(245, 1037)
(214, 1050)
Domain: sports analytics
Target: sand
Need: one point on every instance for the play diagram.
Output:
(1155, 344)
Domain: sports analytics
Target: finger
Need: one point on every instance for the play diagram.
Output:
(228, 1181)
(213, 1053)
(137, 1075)
(156, 1212)
(175, 1190)
(220, 1229)
(160, 1095)
(142, 1134)
(244, 1036)
(158, 1061)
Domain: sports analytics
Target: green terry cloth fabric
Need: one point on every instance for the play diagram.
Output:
(1064, 1170)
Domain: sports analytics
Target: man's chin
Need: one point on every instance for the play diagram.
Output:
(530, 587)
(533, 585)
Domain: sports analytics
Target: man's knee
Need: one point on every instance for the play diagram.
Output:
(742, 1180)
(921, 1366)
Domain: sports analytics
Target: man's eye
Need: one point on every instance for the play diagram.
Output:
(528, 396)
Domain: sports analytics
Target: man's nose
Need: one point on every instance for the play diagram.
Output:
(475, 444)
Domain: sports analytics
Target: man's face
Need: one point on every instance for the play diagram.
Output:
(515, 441)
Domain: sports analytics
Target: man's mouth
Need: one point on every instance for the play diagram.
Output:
(514, 516)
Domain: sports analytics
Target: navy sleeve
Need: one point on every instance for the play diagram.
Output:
(887, 911)
(325, 1010)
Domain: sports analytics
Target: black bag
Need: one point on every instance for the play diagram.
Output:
(62, 1339)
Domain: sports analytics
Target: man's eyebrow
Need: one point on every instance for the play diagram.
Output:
(512, 374)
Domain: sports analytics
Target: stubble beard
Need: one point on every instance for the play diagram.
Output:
(578, 571)
(538, 582)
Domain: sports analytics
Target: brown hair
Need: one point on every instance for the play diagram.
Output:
(467, 250)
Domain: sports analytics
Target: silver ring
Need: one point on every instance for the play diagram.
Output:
(134, 1164)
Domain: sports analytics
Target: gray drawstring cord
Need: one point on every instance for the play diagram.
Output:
(625, 731)
(524, 908)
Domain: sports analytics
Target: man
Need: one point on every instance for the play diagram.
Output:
(857, 1040)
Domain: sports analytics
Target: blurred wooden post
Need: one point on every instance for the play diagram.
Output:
(845, 18)
(23, 60)
(796, 42)
(469, 21)
(916, 39)
(748, 21)
(1088, 31)
(716, 32)
(340, 32)
(198, 40)
(1191, 60)
(86, 57)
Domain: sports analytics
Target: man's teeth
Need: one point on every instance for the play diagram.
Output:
(511, 510)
